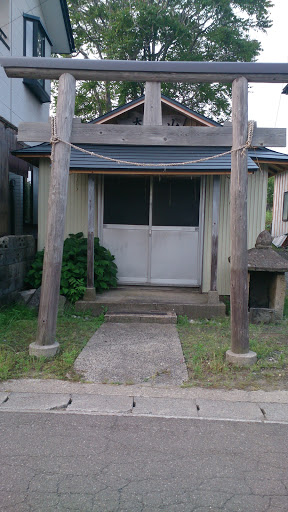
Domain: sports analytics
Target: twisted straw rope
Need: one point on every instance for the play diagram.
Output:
(55, 139)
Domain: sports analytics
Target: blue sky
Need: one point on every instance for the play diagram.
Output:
(267, 105)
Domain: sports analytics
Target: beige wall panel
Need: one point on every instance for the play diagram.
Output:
(77, 204)
(281, 185)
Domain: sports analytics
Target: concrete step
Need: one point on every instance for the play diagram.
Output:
(192, 310)
(152, 317)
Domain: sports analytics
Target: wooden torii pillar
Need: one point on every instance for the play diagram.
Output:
(237, 73)
(46, 344)
(239, 353)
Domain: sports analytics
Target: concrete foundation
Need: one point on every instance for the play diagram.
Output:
(241, 359)
(43, 350)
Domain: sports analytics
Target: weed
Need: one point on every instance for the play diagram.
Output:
(182, 320)
(204, 344)
(18, 326)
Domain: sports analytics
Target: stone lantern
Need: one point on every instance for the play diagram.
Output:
(267, 285)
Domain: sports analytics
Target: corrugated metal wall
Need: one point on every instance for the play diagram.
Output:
(256, 205)
(77, 205)
(281, 185)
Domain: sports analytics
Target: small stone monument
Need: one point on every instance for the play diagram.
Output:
(267, 284)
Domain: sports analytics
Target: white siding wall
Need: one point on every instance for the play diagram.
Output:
(281, 185)
(256, 205)
(77, 205)
(17, 103)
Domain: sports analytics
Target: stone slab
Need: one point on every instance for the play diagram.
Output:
(3, 397)
(174, 407)
(35, 401)
(275, 412)
(133, 353)
(229, 410)
(103, 404)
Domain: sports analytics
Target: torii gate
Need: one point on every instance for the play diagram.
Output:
(70, 70)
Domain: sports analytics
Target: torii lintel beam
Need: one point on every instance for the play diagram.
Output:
(86, 69)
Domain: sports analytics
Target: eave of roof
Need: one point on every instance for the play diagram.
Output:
(144, 154)
(57, 22)
(67, 23)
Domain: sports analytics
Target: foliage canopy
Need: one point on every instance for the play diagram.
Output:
(182, 30)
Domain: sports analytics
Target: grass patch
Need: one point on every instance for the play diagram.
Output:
(18, 326)
(204, 344)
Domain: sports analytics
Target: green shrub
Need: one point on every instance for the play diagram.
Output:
(74, 268)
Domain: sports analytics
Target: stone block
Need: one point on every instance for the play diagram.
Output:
(90, 294)
(36, 401)
(35, 299)
(213, 297)
(229, 410)
(275, 412)
(261, 315)
(61, 303)
(158, 406)
(26, 295)
(278, 291)
(101, 403)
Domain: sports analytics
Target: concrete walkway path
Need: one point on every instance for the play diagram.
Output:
(133, 353)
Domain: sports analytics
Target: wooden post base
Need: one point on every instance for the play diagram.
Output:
(43, 350)
(241, 359)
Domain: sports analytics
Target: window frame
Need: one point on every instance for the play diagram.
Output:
(285, 203)
(37, 87)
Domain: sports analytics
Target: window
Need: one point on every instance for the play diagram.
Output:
(285, 207)
(36, 41)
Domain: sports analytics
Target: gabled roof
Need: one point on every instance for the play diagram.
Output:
(188, 112)
(57, 22)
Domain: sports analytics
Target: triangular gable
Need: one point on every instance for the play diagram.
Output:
(174, 113)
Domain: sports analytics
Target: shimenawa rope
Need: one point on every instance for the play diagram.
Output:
(55, 139)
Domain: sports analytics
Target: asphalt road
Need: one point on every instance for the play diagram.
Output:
(80, 462)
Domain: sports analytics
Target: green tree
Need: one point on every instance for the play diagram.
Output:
(155, 30)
